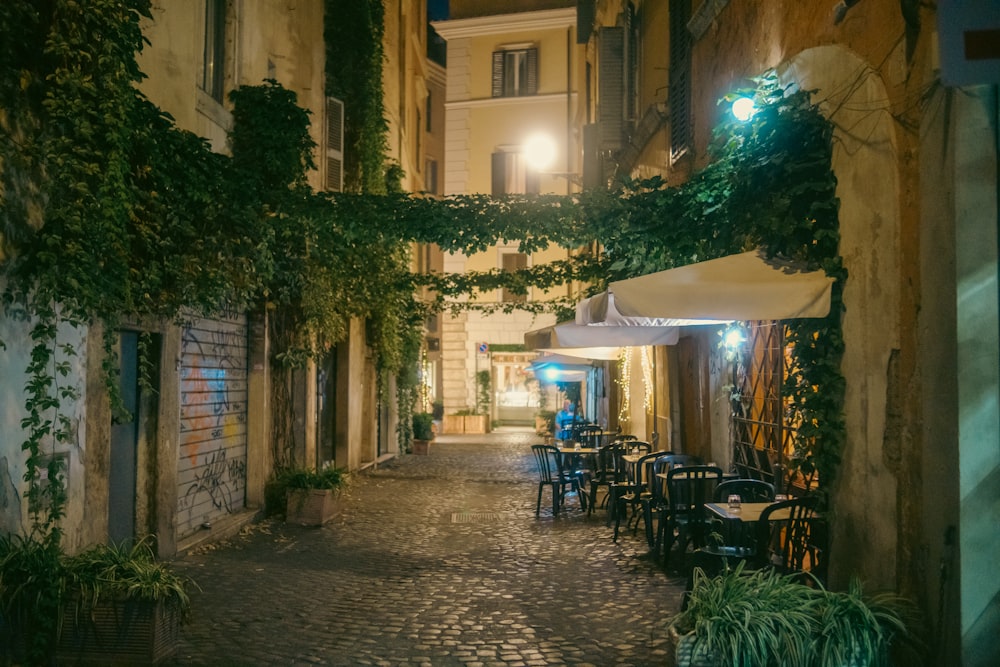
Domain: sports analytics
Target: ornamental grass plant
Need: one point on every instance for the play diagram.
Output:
(765, 619)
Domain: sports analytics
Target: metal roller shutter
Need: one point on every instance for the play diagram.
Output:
(213, 440)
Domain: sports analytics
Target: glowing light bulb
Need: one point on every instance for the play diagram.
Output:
(744, 108)
(539, 151)
(733, 339)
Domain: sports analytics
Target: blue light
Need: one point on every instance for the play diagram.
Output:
(551, 374)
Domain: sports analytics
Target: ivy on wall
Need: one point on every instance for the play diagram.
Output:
(108, 210)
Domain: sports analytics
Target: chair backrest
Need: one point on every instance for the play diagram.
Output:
(690, 487)
(677, 460)
(638, 447)
(610, 467)
(659, 464)
(589, 435)
(792, 537)
(547, 460)
(749, 491)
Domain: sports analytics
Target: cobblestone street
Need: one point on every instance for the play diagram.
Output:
(436, 560)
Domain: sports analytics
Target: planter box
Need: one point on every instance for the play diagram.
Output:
(118, 632)
(312, 507)
(453, 424)
(421, 447)
(477, 424)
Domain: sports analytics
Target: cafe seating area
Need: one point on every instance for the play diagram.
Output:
(693, 514)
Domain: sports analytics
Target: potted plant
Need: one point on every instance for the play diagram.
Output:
(312, 497)
(121, 606)
(764, 618)
(423, 433)
(31, 575)
(545, 423)
(107, 605)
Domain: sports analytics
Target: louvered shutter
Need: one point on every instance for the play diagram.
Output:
(591, 157)
(334, 145)
(610, 88)
(531, 86)
(584, 20)
(499, 174)
(679, 90)
(498, 74)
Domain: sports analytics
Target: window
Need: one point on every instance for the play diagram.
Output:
(511, 175)
(213, 73)
(334, 145)
(427, 112)
(431, 176)
(515, 72)
(513, 261)
(632, 68)
(679, 85)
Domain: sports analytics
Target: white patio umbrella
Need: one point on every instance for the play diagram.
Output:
(746, 286)
(596, 342)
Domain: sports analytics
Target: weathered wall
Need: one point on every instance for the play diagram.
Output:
(15, 355)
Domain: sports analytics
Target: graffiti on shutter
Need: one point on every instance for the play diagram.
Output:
(211, 469)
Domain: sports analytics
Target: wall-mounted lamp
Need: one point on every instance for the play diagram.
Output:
(732, 338)
(744, 108)
(539, 151)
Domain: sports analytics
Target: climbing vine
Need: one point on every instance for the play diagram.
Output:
(108, 210)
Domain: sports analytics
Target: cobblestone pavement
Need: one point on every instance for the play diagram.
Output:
(436, 560)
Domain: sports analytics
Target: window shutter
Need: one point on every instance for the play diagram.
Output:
(531, 87)
(499, 174)
(498, 74)
(610, 88)
(584, 20)
(679, 86)
(334, 145)
(513, 261)
(591, 157)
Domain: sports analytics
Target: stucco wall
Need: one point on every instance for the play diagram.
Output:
(15, 355)
(864, 162)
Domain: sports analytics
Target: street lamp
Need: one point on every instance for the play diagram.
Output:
(539, 151)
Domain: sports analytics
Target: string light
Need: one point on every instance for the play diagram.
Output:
(425, 382)
(625, 382)
(647, 379)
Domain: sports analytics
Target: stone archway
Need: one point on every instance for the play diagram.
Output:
(854, 97)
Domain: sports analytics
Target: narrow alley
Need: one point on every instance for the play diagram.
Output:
(436, 560)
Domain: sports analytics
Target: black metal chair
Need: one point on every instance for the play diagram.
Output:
(642, 493)
(636, 446)
(683, 521)
(792, 537)
(609, 471)
(551, 473)
(749, 491)
(589, 435)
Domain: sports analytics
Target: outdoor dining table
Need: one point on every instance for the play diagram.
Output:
(746, 512)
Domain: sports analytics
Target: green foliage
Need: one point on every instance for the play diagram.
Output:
(483, 392)
(353, 32)
(763, 619)
(122, 572)
(330, 477)
(423, 426)
(38, 581)
(110, 211)
(31, 578)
